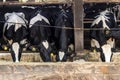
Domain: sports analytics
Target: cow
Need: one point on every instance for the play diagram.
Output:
(100, 30)
(15, 33)
(63, 37)
(39, 33)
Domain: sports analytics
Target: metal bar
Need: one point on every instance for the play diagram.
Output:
(91, 20)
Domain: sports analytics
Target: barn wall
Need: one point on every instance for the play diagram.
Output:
(60, 71)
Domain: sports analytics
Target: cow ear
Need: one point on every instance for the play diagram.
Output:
(7, 15)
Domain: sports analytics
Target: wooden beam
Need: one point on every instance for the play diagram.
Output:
(78, 23)
(31, 3)
(101, 1)
(36, 3)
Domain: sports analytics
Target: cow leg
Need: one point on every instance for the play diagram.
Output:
(15, 52)
(106, 53)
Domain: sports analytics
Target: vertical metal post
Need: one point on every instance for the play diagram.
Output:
(78, 23)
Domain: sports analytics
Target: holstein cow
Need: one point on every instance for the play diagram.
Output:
(15, 32)
(64, 37)
(39, 33)
(100, 38)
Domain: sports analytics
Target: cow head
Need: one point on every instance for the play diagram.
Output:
(15, 32)
(63, 36)
(47, 51)
(40, 34)
(106, 53)
(105, 20)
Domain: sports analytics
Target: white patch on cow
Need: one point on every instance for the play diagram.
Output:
(95, 43)
(14, 19)
(31, 7)
(61, 55)
(16, 47)
(45, 44)
(70, 47)
(107, 52)
(38, 17)
(24, 41)
(111, 42)
(21, 14)
(102, 17)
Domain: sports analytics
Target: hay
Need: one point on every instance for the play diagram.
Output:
(26, 57)
(88, 56)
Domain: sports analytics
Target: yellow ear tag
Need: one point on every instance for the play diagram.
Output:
(33, 49)
(51, 54)
(5, 48)
(94, 51)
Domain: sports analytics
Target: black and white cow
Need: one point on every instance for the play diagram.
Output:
(100, 38)
(15, 33)
(64, 37)
(39, 33)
